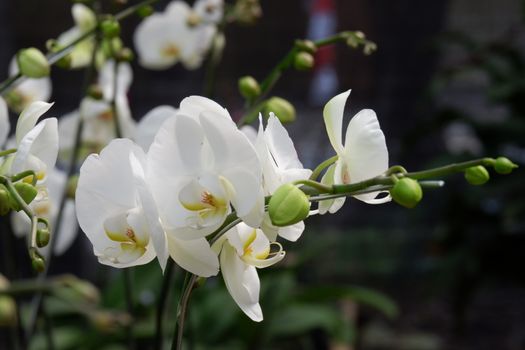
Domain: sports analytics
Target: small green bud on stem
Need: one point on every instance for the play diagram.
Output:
(504, 165)
(110, 28)
(145, 11)
(5, 200)
(288, 205)
(249, 87)
(477, 175)
(37, 261)
(42, 237)
(32, 63)
(303, 61)
(407, 192)
(282, 109)
(306, 45)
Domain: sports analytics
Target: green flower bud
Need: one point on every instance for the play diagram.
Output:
(125, 55)
(504, 165)
(288, 205)
(407, 192)
(42, 237)
(37, 261)
(110, 28)
(5, 200)
(32, 63)
(283, 109)
(303, 61)
(306, 45)
(27, 191)
(477, 175)
(249, 87)
(369, 48)
(7, 305)
(145, 11)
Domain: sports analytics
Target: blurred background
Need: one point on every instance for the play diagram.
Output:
(448, 84)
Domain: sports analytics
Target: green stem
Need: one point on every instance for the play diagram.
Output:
(450, 169)
(181, 313)
(275, 74)
(25, 174)
(317, 171)
(128, 296)
(7, 152)
(314, 184)
(166, 283)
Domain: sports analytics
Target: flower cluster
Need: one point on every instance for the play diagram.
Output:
(199, 175)
(179, 34)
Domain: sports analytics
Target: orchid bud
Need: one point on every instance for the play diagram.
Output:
(288, 205)
(7, 305)
(37, 261)
(477, 175)
(27, 191)
(249, 87)
(110, 28)
(42, 237)
(504, 165)
(306, 45)
(145, 11)
(5, 202)
(407, 192)
(282, 109)
(303, 61)
(32, 63)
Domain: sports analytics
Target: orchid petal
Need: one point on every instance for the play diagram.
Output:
(195, 256)
(4, 122)
(29, 117)
(333, 118)
(150, 124)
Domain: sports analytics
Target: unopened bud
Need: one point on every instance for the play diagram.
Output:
(282, 109)
(145, 11)
(303, 61)
(7, 305)
(125, 55)
(32, 63)
(407, 192)
(369, 48)
(110, 28)
(477, 175)
(5, 202)
(27, 191)
(504, 165)
(306, 45)
(42, 237)
(249, 87)
(37, 261)
(288, 205)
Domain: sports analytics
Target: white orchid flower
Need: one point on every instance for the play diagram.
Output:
(164, 39)
(114, 210)
(4, 122)
(46, 205)
(37, 144)
(149, 125)
(280, 165)
(117, 212)
(28, 90)
(202, 164)
(99, 128)
(85, 20)
(364, 154)
(242, 250)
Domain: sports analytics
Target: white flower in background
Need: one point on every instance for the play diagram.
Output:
(85, 20)
(4, 122)
(114, 210)
(202, 164)
(99, 125)
(209, 11)
(176, 35)
(28, 90)
(46, 205)
(242, 250)
(280, 165)
(364, 154)
(149, 125)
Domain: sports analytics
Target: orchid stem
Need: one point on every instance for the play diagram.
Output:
(159, 321)
(319, 169)
(181, 313)
(7, 152)
(128, 283)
